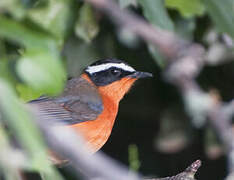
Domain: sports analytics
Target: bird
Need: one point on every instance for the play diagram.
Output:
(89, 103)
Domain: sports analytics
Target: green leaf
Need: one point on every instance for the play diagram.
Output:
(5, 71)
(26, 93)
(221, 12)
(55, 17)
(42, 72)
(86, 26)
(156, 13)
(3, 53)
(30, 38)
(26, 132)
(187, 8)
(14, 7)
(158, 57)
(133, 157)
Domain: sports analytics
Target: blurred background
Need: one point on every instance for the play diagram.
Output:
(44, 42)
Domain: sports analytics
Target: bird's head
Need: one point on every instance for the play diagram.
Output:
(113, 77)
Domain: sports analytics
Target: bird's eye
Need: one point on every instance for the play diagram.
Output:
(115, 72)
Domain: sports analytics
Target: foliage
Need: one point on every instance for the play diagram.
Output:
(42, 42)
(133, 157)
(187, 9)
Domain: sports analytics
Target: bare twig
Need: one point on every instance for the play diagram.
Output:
(187, 174)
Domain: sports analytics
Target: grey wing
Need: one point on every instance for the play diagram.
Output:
(80, 102)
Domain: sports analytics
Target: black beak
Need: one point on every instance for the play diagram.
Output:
(139, 75)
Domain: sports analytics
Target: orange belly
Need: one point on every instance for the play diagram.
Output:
(96, 132)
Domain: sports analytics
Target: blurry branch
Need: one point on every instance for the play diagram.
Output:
(67, 144)
(169, 44)
(10, 166)
(98, 166)
(185, 60)
(221, 118)
(17, 160)
(202, 105)
(219, 47)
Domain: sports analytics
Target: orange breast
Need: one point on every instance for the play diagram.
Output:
(96, 132)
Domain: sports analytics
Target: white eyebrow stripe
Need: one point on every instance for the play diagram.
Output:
(102, 67)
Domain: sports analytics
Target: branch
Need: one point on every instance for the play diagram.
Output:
(67, 144)
(187, 174)
(221, 119)
(168, 43)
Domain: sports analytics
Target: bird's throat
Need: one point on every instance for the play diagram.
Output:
(116, 90)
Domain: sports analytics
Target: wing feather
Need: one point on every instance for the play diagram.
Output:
(79, 102)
